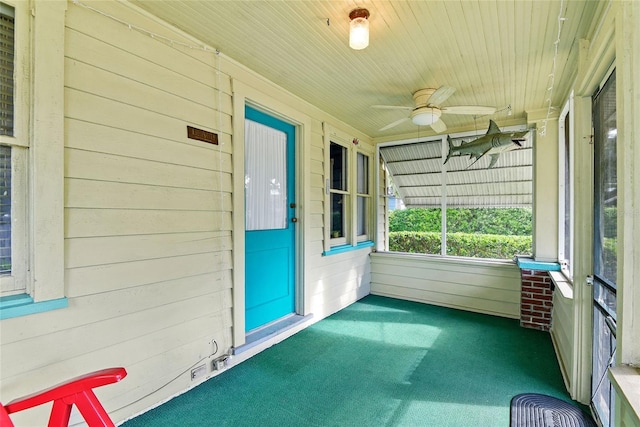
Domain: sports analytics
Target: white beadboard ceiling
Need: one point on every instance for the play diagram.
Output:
(494, 52)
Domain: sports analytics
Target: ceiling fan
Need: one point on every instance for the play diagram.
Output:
(426, 110)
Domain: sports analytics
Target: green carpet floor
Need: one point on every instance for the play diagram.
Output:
(379, 362)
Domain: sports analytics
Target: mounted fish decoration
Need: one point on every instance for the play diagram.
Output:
(492, 143)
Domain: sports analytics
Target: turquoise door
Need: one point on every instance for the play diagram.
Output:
(269, 219)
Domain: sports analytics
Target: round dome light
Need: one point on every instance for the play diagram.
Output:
(425, 116)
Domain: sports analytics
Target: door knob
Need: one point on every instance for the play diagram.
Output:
(294, 219)
(292, 205)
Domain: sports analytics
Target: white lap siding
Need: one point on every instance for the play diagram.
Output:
(473, 285)
(148, 217)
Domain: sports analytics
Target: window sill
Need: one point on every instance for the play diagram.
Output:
(563, 284)
(348, 248)
(23, 305)
(528, 263)
(448, 259)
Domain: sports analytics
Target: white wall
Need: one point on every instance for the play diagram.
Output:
(563, 336)
(149, 216)
(545, 187)
(491, 287)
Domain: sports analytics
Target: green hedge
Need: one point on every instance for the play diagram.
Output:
(415, 219)
(610, 218)
(460, 244)
(610, 259)
(503, 221)
(414, 242)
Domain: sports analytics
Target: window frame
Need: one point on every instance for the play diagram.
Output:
(39, 131)
(444, 170)
(346, 223)
(17, 282)
(566, 204)
(351, 240)
(367, 196)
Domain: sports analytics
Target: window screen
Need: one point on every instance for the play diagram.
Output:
(6, 69)
(5, 209)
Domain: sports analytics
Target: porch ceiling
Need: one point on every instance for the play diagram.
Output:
(494, 52)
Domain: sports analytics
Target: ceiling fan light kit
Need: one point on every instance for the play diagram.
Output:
(425, 116)
(359, 29)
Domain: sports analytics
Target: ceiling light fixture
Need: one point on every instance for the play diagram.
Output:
(359, 29)
(425, 116)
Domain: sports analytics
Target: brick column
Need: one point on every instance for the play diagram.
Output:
(536, 294)
(536, 299)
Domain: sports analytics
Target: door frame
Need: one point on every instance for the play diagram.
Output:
(244, 95)
(609, 44)
(602, 282)
(599, 59)
(273, 296)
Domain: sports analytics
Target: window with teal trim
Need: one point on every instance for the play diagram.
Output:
(6, 128)
(363, 206)
(13, 155)
(31, 246)
(339, 193)
(348, 210)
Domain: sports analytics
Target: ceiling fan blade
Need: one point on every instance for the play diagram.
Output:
(441, 95)
(474, 110)
(439, 126)
(394, 124)
(391, 107)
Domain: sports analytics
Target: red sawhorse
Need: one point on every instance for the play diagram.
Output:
(77, 391)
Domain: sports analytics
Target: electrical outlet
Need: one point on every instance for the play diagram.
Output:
(198, 372)
(220, 363)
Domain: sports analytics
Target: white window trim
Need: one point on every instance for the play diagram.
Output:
(40, 124)
(18, 280)
(369, 196)
(333, 135)
(567, 111)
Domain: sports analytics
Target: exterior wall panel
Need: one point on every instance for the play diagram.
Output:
(484, 287)
(563, 337)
